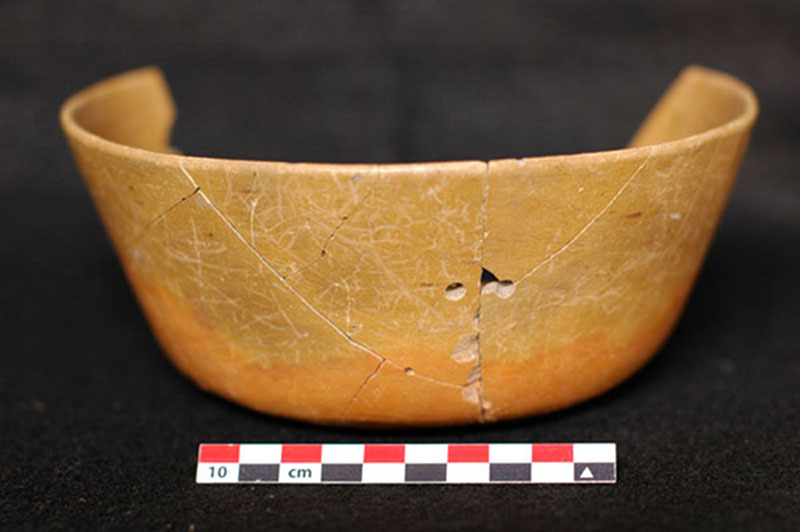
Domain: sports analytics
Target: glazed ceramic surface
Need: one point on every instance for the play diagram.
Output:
(415, 294)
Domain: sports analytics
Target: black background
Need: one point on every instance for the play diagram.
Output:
(99, 431)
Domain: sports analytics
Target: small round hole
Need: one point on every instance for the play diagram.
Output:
(505, 289)
(455, 291)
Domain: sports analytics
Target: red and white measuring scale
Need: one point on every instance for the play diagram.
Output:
(404, 463)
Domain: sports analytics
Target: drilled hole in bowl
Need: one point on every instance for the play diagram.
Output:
(455, 291)
(505, 289)
(490, 284)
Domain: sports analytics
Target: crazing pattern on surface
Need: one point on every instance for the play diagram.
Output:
(434, 293)
(275, 316)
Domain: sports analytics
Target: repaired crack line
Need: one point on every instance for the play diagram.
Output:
(412, 373)
(323, 252)
(363, 385)
(478, 369)
(158, 218)
(591, 221)
(374, 374)
(275, 272)
(293, 290)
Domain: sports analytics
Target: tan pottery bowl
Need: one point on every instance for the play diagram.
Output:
(413, 294)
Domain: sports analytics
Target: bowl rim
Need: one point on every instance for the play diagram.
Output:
(154, 75)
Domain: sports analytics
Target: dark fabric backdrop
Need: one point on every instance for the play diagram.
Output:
(98, 431)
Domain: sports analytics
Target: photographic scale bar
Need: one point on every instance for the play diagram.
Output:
(407, 463)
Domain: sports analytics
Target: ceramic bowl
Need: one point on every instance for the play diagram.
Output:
(411, 294)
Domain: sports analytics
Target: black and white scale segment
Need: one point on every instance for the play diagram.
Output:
(531, 463)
